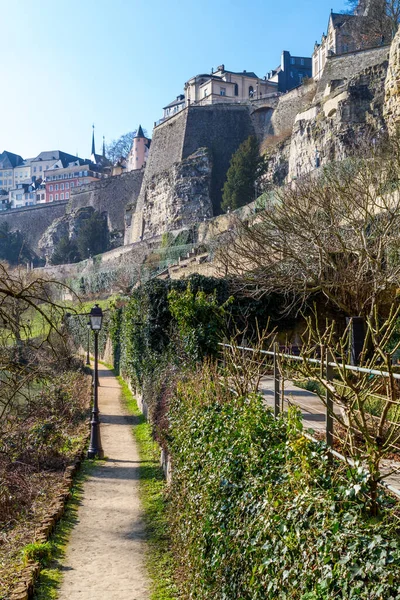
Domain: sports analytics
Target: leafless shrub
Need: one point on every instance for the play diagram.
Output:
(369, 416)
(336, 233)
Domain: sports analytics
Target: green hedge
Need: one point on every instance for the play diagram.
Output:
(257, 512)
(143, 325)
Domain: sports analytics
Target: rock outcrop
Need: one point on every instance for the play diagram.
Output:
(110, 196)
(220, 128)
(178, 197)
(347, 111)
(66, 226)
(392, 87)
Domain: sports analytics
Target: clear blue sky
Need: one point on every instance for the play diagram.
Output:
(116, 63)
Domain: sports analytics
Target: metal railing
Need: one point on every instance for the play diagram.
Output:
(329, 366)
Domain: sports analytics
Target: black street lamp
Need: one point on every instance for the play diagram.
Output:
(95, 449)
(89, 327)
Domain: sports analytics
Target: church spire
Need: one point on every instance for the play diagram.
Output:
(93, 147)
(104, 147)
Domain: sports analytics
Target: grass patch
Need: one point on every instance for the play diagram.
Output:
(48, 583)
(152, 495)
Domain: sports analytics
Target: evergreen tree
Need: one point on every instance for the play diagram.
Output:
(92, 237)
(65, 252)
(13, 247)
(246, 167)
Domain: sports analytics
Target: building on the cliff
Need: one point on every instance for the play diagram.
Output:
(137, 157)
(348, 33)
(224, 86)
(26, 193)
(175, 106)
(221, 87)
(23, 171)
(60, 179)
(8, 164)
(45, 160)
(291, 71)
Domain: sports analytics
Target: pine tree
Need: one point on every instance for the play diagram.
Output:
(65, 252)
(92, 237)
(246, 167)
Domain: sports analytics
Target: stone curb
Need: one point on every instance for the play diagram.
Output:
(25, 587)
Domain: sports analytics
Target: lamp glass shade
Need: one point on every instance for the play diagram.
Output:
(96, 317)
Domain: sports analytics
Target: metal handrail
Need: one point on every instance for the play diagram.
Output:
(317, 361)
(329, 406)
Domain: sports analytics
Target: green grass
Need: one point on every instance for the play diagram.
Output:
(50, 577)
(153, 498)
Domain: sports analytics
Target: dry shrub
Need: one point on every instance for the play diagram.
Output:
(274, 141)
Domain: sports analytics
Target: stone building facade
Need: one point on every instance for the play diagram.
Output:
(291, 72)
(223, 86)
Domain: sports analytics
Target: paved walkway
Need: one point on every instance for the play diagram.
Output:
(105, 555)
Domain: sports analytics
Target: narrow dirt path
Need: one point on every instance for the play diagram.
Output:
(105, 555)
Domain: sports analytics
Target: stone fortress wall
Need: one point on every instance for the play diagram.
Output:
(346, 66)
(111, 196)
(219, 129)
(33, 221)
(108, 196)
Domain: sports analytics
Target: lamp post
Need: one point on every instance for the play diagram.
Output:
(89, 327)
(95, 449)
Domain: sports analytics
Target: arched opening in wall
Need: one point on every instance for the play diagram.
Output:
(251, 91)
(236, 89)
(332, 113)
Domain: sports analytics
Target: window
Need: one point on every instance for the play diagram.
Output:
(37, 197)
(40, 168)
(72, 184)
(251, 91)
(67, 185)
(19, 196)
(43, 196)
(62, 197)
(56, 197)
(34, 169)
(62, 186)
(85, 173)
(67, 195)
(51, 198)
(222, 91)
(292, 61)
(51, 188)
(236, 89)
(302, 61)
(205, 93)
(56, 187)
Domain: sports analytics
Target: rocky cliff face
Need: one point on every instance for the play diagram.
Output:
(392, 87)
(178, 197)
(110, 196)
(347, 111)
(65, 226)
